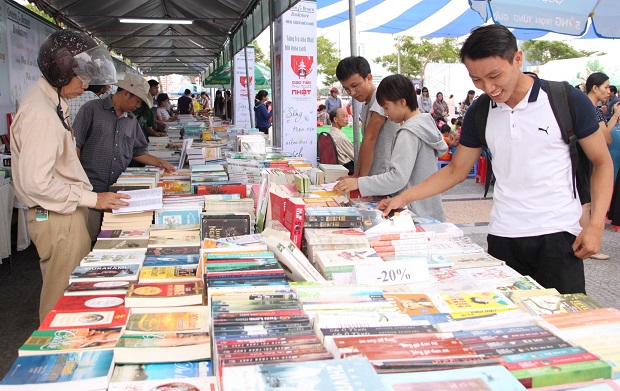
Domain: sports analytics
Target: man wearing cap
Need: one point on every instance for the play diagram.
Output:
(47, 175)
(108, 137)
(333, 102)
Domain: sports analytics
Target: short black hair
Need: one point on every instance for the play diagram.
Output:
(321, 107)
(153, 83)
(453, 120)
(445, 128)
(394, 88)
(187, 91)
(613, 89)
(349, 66)
(162, 98)
(493, 40)
(333, 114)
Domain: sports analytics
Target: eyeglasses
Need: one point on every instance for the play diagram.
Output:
(84, 79)
(355, 87)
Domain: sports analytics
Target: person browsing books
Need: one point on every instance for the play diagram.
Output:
(375, 150)
(108, 137)
(534, 224)
(415, 149)
(344, 146)
(47, 175)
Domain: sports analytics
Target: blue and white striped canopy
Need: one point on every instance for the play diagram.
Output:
(450, 18)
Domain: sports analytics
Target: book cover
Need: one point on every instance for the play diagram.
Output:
(412, 303)
(76, 371)
(157, 274)
(216, 226)
(294, 219)
(103, 259)
(121, 245)
(464, 304)
(89, 302)
(495, 377)
(97, 288)
(465, 261)
(563, 374)
(105, 273)
(551, 304)
(154, 347)
(165, 295)
(164, 320)
(165, 239)
(172, 260)
(123, 234)
(56, 320)
(325, 375)
(215, 188)
(185, 375)
(164, 250)
(69, 340)
(178, 215)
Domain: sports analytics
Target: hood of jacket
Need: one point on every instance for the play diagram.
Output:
(423, 125)
(257, 104)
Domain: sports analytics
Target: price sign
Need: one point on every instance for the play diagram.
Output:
(393, 273)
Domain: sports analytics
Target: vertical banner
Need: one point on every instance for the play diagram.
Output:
(5, 85)
(25, 35)
(244, 86)
(295, 85)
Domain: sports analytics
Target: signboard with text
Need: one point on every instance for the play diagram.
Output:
(295, 85)
(243, 87)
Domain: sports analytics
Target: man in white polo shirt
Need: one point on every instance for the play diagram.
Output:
(534, 223)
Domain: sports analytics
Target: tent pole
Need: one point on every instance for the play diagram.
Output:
(356, 114)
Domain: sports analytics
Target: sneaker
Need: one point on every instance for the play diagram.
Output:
(600, 256)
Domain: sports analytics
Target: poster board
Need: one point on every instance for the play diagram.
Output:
(243, 86)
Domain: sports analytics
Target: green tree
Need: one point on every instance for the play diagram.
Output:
(260, 56)
(415, 55)
(327, 57)
(39, 12)
(541, 52)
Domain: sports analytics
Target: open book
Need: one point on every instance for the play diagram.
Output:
(142, 201)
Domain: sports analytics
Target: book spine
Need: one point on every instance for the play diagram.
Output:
(331, 224)
(294, 221)
(573, 358)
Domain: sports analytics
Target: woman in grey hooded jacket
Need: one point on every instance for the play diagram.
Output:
(415, 149)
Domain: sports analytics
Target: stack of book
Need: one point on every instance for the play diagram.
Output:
(136, 179)
(338, 265)
(337, 217)
(251, 328)
(333, 239)
(333, 172)
(176, 183)
(204, 174)
(295, 264)
(195, 375)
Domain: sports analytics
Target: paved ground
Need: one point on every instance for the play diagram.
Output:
(465, 206)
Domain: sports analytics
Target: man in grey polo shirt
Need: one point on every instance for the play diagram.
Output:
(108, 137)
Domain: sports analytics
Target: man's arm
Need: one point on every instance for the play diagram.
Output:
(444, 179)
(151, 160)
(589, 240)
(367, 148)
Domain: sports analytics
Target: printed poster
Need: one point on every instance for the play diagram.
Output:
(295, 85)
(243, 87)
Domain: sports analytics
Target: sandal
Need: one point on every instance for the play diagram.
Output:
(600, 256)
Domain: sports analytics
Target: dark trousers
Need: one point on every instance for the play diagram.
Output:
(350, 166)
(263, 129)
(548, 259)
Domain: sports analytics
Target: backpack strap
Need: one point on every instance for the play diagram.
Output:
(481, 112)
(558, 93)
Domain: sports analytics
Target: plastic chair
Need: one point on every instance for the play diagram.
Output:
(326, 149)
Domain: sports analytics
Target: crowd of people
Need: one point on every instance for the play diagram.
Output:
(544, 222)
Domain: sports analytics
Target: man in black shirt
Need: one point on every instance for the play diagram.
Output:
(185, 103)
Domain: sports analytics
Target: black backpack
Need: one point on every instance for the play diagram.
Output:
(558, 93)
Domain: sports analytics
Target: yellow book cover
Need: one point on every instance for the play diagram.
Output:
(465, 304)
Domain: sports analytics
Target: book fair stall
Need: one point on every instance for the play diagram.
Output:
(245, 271)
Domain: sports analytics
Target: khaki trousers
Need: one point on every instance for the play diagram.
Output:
(62, 241)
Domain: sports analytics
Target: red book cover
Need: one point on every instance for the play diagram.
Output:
(222, 189)
(57, 320)
(89, 303)
(278, 206)
(549, 361)
(294, 219)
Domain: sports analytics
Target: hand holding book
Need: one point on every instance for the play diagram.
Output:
(106, 201)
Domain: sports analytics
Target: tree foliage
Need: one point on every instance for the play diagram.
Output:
(541, 52)
(327, 58)
(40, 12)
(260, 56)
(415, 55)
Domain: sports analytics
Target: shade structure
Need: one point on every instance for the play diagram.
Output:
(221, 76)
(570, 17)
